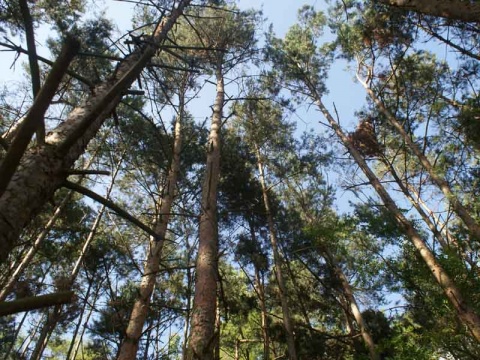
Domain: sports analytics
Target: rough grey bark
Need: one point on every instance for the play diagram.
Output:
(468, 11)
(26, 259)
(34, 120)
(42, 169)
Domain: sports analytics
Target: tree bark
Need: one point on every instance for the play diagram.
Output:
(42, 169)
(129, 347)
(35, 116)
(287, 321)
(202, 333)
(443, 236)
(468, 11)
(465, 313)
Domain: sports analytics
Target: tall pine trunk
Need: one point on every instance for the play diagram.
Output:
(129, 347)
(43, 168)
(202, 332)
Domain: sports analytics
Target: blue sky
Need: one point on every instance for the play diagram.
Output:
(343, 91)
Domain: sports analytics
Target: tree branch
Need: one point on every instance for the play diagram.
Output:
(36, 113)
(35, 302)
(32, 59)
(111, 205)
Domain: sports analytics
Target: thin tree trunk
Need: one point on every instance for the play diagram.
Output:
(52, 319)
(443, 237)
(202, 333)
(15, 337)
(287, 321)
(54, 316)
(74, 352)
(465, 313)
(468, 11)
(73, 340)
(42, 169)
(129, 347)
(8, 287)
(218, 324)
(264, 315)
(186, 327)
(31, 335)
(442, 184)
(352, 302)
(26, 260)
(260, 290)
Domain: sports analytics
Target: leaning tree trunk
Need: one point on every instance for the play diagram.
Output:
(442, 184)
(27, 258)
(44, 168)
(202, 325)
(55, 315)
(287, 320)
(352, 302)
(439, 231)
(129, 347)
(465, 313)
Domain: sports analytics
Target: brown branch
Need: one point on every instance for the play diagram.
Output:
(86, 172)
(35, 302)
(36, 113)
(111, 205)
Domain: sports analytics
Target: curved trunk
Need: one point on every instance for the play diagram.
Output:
(42, 169)
(202, 333)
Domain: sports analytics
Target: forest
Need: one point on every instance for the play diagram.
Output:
(162, 198)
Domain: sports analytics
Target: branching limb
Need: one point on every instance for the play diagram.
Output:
(36, 113)
(111, 205)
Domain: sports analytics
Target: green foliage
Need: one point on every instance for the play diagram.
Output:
(7, 336)
(298, 59)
